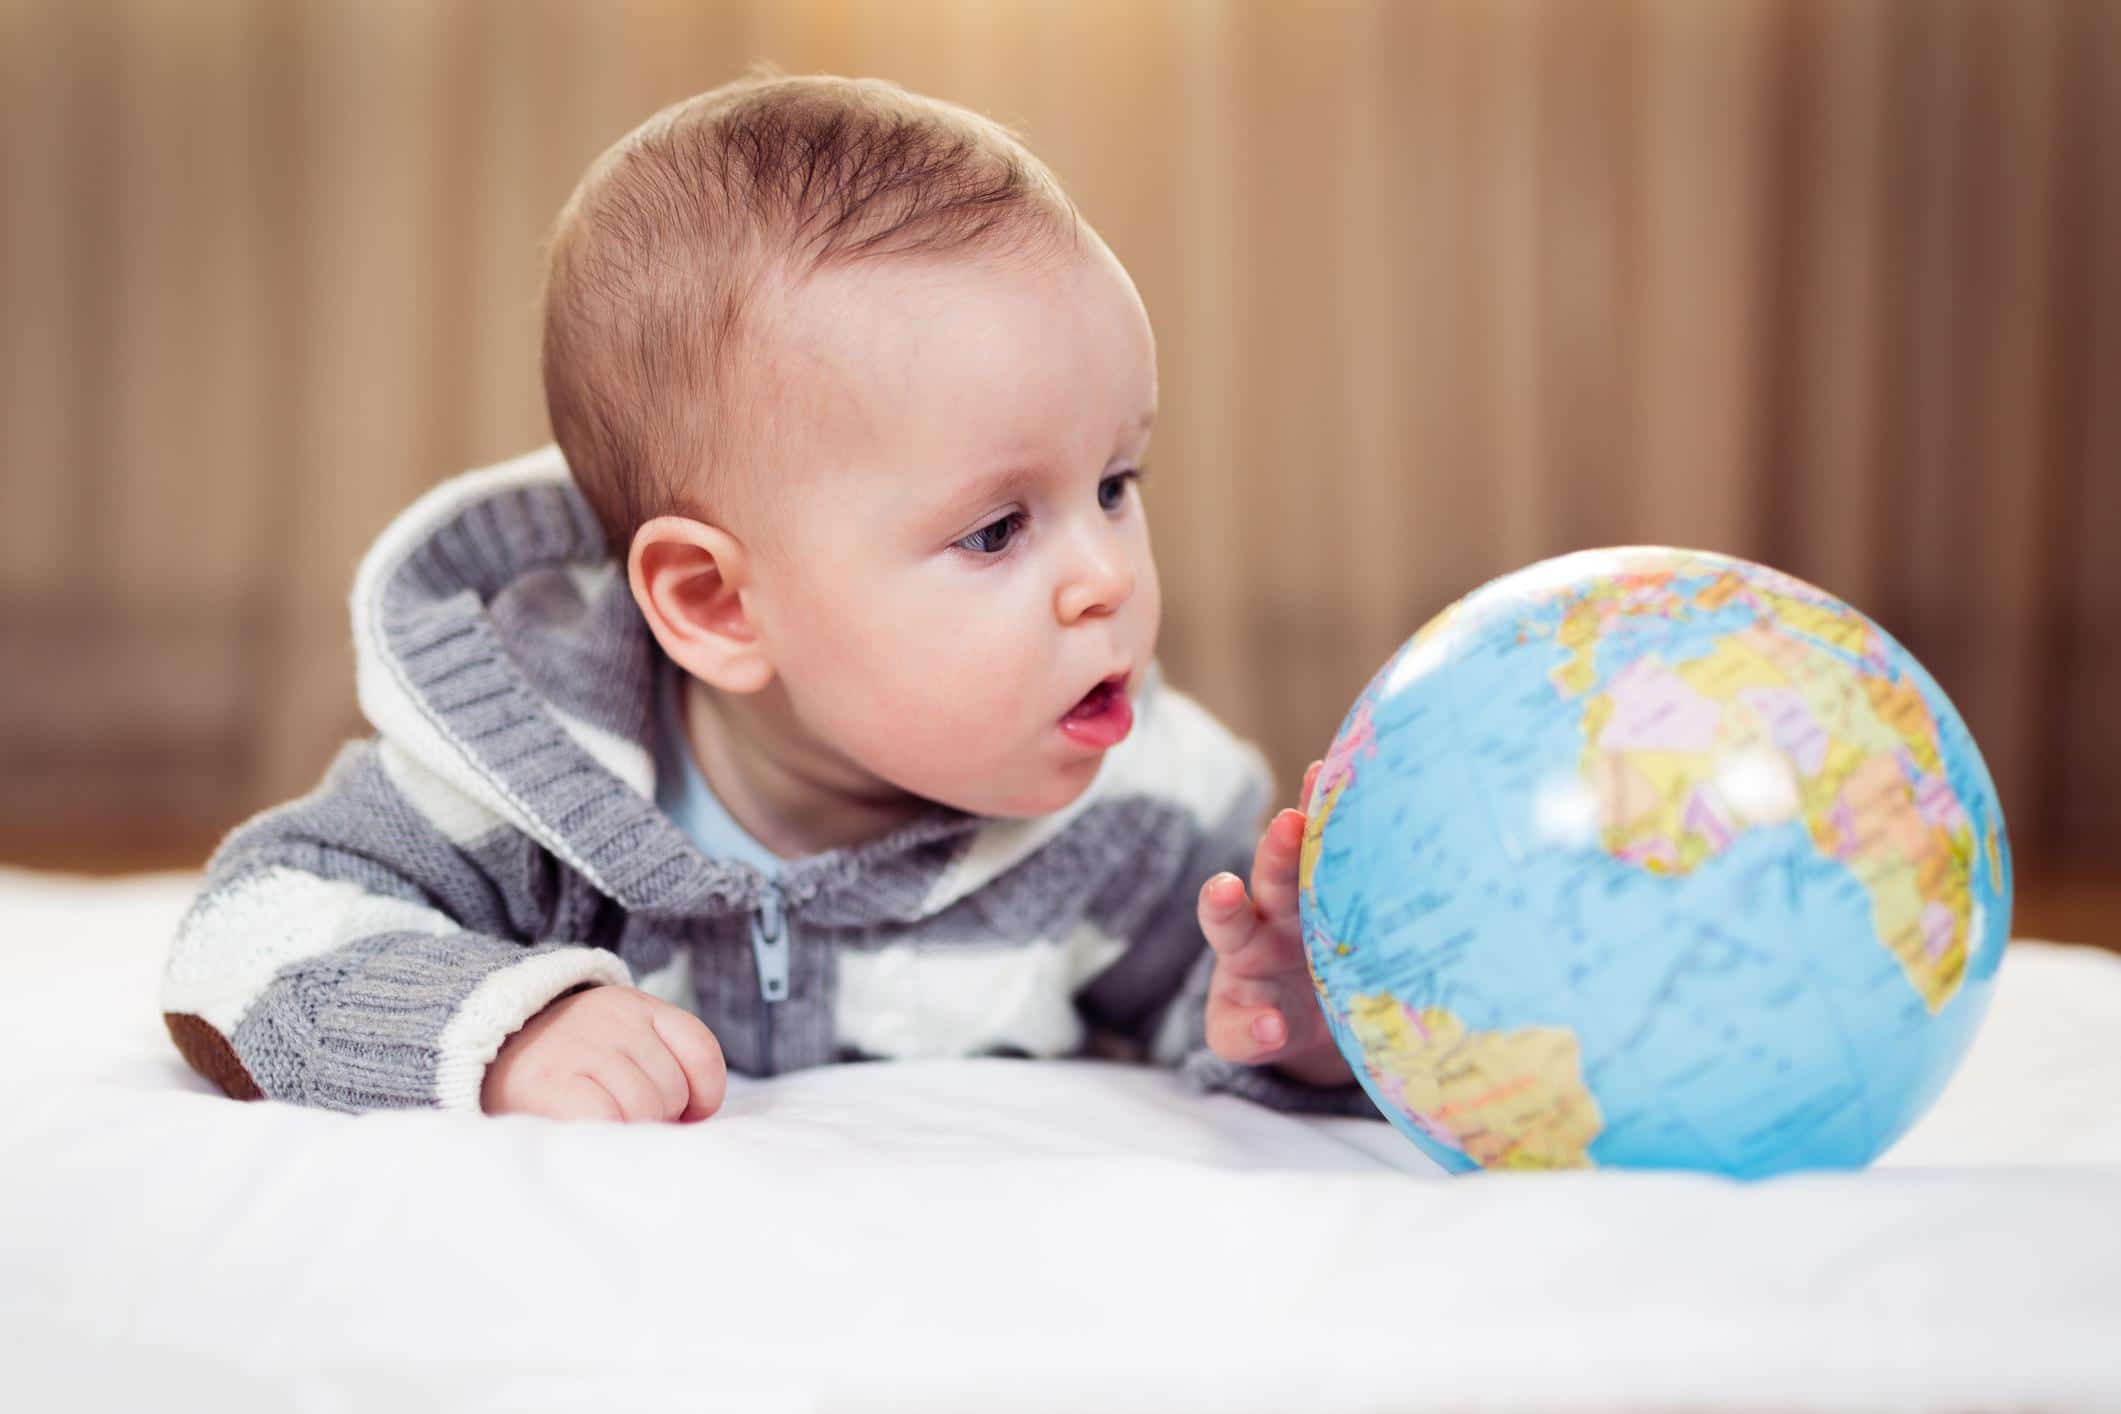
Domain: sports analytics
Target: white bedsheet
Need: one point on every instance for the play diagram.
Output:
(1004, 1235)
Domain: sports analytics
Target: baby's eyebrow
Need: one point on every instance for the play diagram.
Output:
(1011, 478)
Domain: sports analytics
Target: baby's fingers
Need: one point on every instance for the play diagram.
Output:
(1227, 916)
(575, 1097)
(700, 1055)
(1274, 869)
(640, 1099)
(1247, 1035)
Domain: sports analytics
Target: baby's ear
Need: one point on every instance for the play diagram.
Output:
(688, 578)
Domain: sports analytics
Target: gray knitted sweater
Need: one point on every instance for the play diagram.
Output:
(495, 843)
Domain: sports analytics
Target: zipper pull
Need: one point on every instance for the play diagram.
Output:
(769, 944)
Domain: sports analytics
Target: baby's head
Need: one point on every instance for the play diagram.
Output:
(860, 398)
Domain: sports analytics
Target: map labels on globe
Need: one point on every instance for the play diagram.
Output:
(1653, 858)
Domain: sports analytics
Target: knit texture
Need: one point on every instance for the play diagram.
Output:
(495, 843)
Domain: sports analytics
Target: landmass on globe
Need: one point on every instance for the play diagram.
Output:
(1508, 1099)
(1870, 783)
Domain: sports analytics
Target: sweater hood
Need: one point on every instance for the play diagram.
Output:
(511, 679)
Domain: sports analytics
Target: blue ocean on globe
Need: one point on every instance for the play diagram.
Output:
(1653, 858)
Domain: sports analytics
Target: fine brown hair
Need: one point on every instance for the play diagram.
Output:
(663, 263)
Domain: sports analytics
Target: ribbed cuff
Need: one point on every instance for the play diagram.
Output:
(499, 1006)
(416, 1019)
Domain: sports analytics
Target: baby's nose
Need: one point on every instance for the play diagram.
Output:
(1099, 584)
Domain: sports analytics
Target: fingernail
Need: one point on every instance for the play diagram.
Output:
(1266, 1030)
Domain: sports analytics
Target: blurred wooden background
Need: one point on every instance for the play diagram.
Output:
(1439, 289)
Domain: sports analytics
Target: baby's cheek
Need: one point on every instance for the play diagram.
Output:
(955, 724)
(912, 716)
(944, 692)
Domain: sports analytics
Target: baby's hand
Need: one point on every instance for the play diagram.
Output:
(608, 1053)
(1262, 1008)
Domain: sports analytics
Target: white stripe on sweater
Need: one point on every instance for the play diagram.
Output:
(954, 999)
(459, 818)
(238, 938)
(624, 759)
(672, 982)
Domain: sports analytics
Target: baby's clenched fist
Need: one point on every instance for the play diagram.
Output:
(612, 1053)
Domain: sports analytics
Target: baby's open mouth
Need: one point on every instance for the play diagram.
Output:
(1098, 698)
(1102, 717)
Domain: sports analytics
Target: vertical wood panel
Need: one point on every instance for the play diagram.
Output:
(513, 202)
(88, 110)
(1431, 178)
(1832, 512)
(2006, 495)
(1198, 436)
(1591, 335)
(1514, 408)
(1937, 338)
(1703, 75)
(374, 100)
(1296, 594)
(2080, 781)
(1370, 289)
(187, 318)
(40, 271)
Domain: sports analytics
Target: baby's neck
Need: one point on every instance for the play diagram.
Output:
(781, 790)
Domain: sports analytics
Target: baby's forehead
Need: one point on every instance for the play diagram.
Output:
(909, 377)
(991, 345)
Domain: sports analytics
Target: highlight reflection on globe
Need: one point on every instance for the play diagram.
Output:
(1653, 858)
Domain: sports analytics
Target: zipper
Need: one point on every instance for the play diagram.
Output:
(769, 951)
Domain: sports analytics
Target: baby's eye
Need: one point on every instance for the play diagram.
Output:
(993, 539)
(1118, 480)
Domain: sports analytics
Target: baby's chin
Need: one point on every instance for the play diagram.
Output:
(1064, 787)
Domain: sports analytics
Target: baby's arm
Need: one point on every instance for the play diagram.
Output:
(345, 952)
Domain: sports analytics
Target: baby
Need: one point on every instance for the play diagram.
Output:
(801, 704)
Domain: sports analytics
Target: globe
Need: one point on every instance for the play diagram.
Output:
(1653, 858)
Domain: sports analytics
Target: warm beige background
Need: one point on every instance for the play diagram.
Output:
(1439, 289)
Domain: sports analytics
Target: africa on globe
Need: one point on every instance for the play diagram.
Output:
(1653, 858)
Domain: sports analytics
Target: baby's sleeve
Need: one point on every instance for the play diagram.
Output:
(1155, 994)
(368, 946)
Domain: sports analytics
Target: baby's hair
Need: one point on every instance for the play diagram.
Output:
(664, 262)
